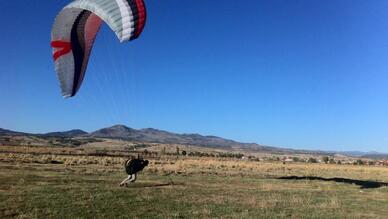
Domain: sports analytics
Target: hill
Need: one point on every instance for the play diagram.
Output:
(151, 135)
(70, 133)
(376, 156)
(159, 136)
(9, 132)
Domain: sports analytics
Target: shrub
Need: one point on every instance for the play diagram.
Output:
(312, 160)
(296, 159)
(325, 159)
(359, 162)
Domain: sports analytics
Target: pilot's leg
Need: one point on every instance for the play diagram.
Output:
(125, 180)
(133, 179)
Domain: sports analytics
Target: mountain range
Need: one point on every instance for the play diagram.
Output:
(160, 136)
(70, 133)
(151, 135)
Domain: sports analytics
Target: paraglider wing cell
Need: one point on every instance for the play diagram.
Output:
(76, 27)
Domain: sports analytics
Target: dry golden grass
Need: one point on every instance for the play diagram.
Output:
(215, 166)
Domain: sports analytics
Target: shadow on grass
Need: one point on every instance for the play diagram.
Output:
(364, 184)
(153, 185)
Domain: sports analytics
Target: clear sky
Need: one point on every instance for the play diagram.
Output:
(302, 74)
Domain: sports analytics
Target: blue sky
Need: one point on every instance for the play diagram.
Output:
(302, 74)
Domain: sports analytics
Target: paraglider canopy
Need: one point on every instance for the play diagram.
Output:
(75, 29)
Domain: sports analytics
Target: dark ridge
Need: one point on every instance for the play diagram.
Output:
(70, 133)
(9, 132)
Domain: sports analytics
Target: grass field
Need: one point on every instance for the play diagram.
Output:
(32, 186)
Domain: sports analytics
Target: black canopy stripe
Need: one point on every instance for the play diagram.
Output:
(135, 13)
(78, 47)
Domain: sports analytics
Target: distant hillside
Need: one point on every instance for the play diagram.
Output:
(159, 136)
(71, 133)
(354, 153)
(145, 135)
(150, 135)
(117, 131)
(361, 154)
(9, 132)
(376, 156)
